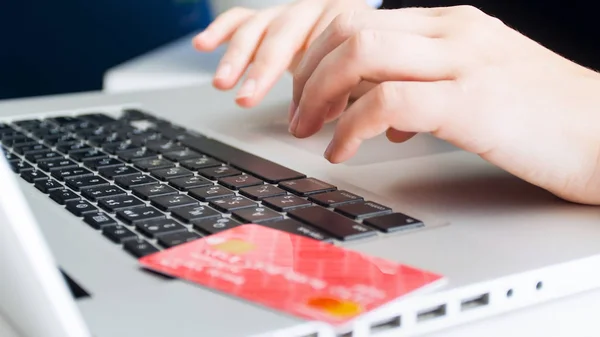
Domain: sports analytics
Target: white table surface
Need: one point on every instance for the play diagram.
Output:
(576, 316)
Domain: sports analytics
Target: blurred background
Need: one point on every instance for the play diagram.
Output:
(52, 47)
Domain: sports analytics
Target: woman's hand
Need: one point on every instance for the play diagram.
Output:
(273, 40)
(464, 77)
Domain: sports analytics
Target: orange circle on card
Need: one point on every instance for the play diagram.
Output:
(334, 306)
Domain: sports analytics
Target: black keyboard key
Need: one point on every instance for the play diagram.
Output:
(134, 115)
(63, 195)
(232, 203)
(164, 146)
(295, 227)
(181, 155)
(119, 171)
(27, 123)
(118, 233)
(361, 210)
(37, 156)
(137, 214)
(80, 207)
(155, 228)
(96, 164)
(72, 172)
(153, 164)
(117, 203)
(4, 128)
(200, 163)
(43, 133)
(20, 166)
(286, 203)
(99, 192)
(215, 173)
(257, 215)
(249, 163)
(32, 176)
(214, 226)
(172, 173)
(101, 140)
(155, 190)
(130, 181)
(187, 214)
(393, 222)
(116, 147)
(144, 137)
(334, 224)
(87, 154)
(10, 134)
(26, 149)
(261, 192)
(97, 118)
(188, 183)
(53, 140)
(175, 239)
(78, 183)
(67, 147)
(18, 141)
(47, 186)
(55, 164)
(237, 182)
(131, 155)
(98, 220)
(306, 186)
(335, 198)
(64, 120)
(169, 202)
(210, 193)
(139, 247)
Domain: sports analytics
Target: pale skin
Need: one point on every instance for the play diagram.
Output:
(453, 72)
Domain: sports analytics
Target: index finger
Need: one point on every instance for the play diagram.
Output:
(414, 20)
(374, 56)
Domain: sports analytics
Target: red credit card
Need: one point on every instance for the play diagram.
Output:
(297, 275)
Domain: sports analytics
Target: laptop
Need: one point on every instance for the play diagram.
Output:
(93, 181)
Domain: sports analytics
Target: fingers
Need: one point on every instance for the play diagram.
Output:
(373, 56)
(285, 37)
(347, 25)
(397, 136)
(242, 47)
(221, 29)
(408, 107)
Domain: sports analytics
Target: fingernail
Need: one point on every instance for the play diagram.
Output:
(224, 71)
(291, 111)
(294, 123)
(247, 89)
(328, 151)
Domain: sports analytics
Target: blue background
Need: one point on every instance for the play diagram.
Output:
(51, 47)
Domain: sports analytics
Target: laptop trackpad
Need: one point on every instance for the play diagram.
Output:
(376, 150)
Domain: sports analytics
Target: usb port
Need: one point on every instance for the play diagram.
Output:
(388, 324)
(475, 302)
(428, 314)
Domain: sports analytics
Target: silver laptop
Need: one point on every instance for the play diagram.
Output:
(92, 181)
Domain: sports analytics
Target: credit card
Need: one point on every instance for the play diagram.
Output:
(290, 273)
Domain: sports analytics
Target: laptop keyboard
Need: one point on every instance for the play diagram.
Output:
(148, 185)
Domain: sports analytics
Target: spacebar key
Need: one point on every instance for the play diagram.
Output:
(247, 162)
(335, 224)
